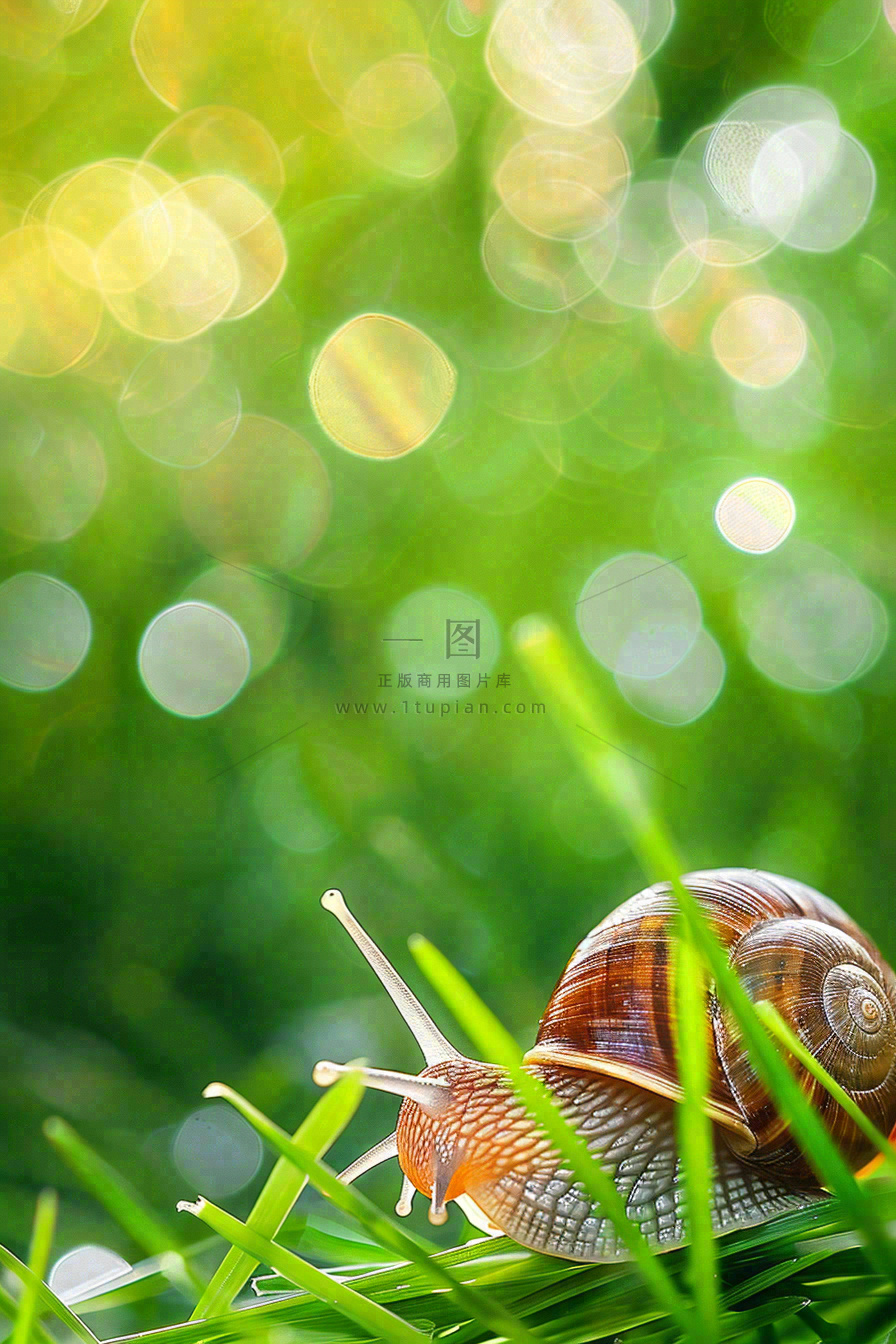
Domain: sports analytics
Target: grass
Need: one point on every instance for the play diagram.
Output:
(694, 1132)
(826, 1273)
(282, 1188)
(38, 1260)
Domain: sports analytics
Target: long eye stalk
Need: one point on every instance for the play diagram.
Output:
(436, 1049)
(427, 1092)
(430, 1094)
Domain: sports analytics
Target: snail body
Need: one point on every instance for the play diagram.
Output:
(605, 1049)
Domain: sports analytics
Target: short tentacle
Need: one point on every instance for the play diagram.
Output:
(380, 1152)
(406, 1198)
(443, 1171)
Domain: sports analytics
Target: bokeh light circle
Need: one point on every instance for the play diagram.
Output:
(564, 183)
(705, 218)
(349, 40)
(755, 514)
(759, 340)
(179, 406)
(255, 238)
(540, 272)
(380, 387)
(130, 258)
(639, 615)
(812, 624)
(400, 118)
(193, 659)
(651, 20)
(790, 167)
(89, 203)
(45, 632)
(221, 140)
(260, 609)
(831, 186)
(48, 320)
(168, 271)
(789, 417)
(442, 633)
(649, 268)
(52, 475)
(683, 694)
(85, 1268)
(567, 62)
(804, 125)
(263, 500)
(216, 1151)
(251, 55)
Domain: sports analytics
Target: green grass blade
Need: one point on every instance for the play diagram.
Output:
(323, 1240)
(45, 1298)
(116, 1194)
(589, 731)
(478, 1303)
(38, 1259)
(138, 1289)
(484, 1029)
(741, 1324)
(495, 1043)
(873, 1324)
(587, 728)
(772, 1019)
(694, 1127)
(110, 1188)
(321, 1127)
(9, 1307)
(762, 1262)
(377, 1320)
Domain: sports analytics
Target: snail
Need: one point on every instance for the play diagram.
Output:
(605, 1050)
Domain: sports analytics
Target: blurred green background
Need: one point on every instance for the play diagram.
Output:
(162, 873)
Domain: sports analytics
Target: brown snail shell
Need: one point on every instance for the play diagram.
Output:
(610, 1011)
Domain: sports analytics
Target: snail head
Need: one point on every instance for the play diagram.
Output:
(452, 1111)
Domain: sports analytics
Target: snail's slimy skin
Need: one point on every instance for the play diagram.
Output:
(633, 1134)
(490, 1150)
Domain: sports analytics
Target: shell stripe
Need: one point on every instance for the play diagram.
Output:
(610, 1012)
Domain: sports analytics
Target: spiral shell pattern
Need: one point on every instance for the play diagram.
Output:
(611, 1011)
(841, 1003)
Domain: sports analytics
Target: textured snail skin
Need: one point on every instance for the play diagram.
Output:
(518, 1180)
(483, 1133)
(605, 1050)
(633, 1133)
